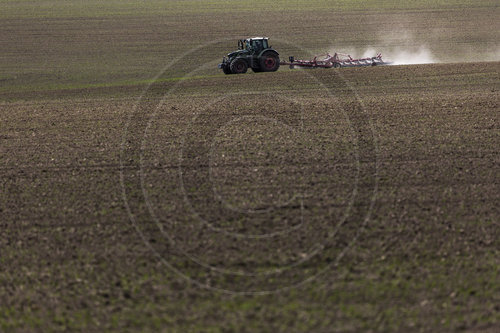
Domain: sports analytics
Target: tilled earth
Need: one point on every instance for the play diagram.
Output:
(326, 200)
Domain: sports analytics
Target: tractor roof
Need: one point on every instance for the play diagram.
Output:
(259, 38)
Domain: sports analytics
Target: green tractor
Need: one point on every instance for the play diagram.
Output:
(254, 53)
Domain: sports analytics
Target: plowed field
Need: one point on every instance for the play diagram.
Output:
(142, 189)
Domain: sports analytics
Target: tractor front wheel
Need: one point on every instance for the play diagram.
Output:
(269, 62)
(226, 69)
(239, 66)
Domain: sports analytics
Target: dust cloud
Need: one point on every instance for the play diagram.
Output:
(398, 56)
(403, 48)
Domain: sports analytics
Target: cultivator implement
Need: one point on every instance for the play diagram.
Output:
(337, 60)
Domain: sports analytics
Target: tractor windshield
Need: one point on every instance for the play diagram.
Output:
(246, 45)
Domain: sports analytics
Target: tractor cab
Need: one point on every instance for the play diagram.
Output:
(253, 45)
(254, 53)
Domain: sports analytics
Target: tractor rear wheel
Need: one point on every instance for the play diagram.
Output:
(239, 66)
(269, 62)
